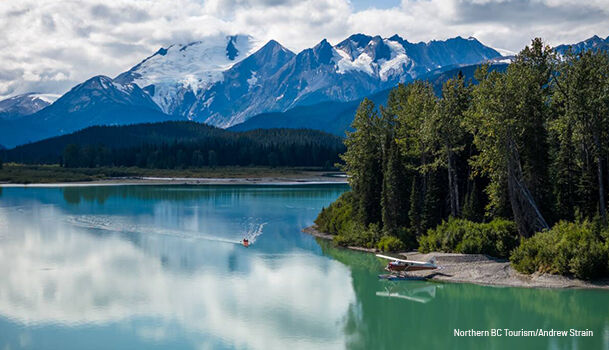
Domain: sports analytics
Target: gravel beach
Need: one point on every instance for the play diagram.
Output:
(480, 269)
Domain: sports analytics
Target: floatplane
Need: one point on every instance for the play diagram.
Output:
(398, 268)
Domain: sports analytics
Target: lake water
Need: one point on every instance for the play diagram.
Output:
(134, 267)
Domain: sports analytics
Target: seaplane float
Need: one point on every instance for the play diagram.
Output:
(398, 268)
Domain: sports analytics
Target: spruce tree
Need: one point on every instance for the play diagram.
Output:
(448, 136)
(363, 162)
(395, 196)
(416, 206)
(431, 214)
(473, 209)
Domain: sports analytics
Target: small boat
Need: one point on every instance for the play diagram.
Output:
(246, 243)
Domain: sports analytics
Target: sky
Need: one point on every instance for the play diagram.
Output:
(48, 46)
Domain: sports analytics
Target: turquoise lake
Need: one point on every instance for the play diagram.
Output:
(162, 267)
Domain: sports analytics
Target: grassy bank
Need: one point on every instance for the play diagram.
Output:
(29, 174)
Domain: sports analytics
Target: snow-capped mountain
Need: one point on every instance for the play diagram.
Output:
(355, 67)
(593, 43)
(25, 104)
(174, 76)
(240, 92)
(97, 101)
(226, 80)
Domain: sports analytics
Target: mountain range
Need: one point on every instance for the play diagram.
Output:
(25, 104)
(239, 82)
(594, 43)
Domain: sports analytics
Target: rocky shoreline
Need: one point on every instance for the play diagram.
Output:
(480, 269)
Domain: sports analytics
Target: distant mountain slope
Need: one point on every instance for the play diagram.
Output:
(331, 116)
(25, 104)
(170, 144)
(98, 101)
(593, 43)
(336, 117)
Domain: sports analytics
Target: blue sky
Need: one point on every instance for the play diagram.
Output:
(359, 5)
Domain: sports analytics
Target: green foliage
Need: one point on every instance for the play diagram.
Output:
(496, 238)
(363, 161)
(432, 213)
(395, 190)
(72, 156)
(181, 145)
(336, 218)
(507, 118)
(390, 244)
(213, 158)
(569, 248)
(473, 209)
(356, 234)
(580, 132)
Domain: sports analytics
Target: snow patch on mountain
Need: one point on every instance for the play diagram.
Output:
(397, 62)
(505, 52)
(48, 98)
(253, 80)
(189, 67)
(363, 62)
(358, 59)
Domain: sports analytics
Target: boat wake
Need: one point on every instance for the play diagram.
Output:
(117, 224)
(253, 232)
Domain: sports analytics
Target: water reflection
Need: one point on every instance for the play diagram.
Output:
(385, 320)
(55, 272)
(153, 266)
(409, 291)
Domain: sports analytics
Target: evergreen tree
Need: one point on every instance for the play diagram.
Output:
(395, 194)
(212, 158)
(416, 205)
(431, 214)
(473, 209)
(197, 158)
(449, 137)
(72, 156)
(363, 161)
(507, 115)
(582, 86)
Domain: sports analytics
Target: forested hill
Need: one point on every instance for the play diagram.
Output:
(181, 144)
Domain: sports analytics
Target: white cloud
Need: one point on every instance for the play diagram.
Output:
(52, 272)
(50, 45)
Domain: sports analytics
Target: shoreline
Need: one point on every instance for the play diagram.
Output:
(479, 269)
(309, 179)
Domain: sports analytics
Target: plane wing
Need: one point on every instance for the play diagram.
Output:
(411, 262)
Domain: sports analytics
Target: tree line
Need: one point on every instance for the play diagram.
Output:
(175, 145)
(529, 145)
